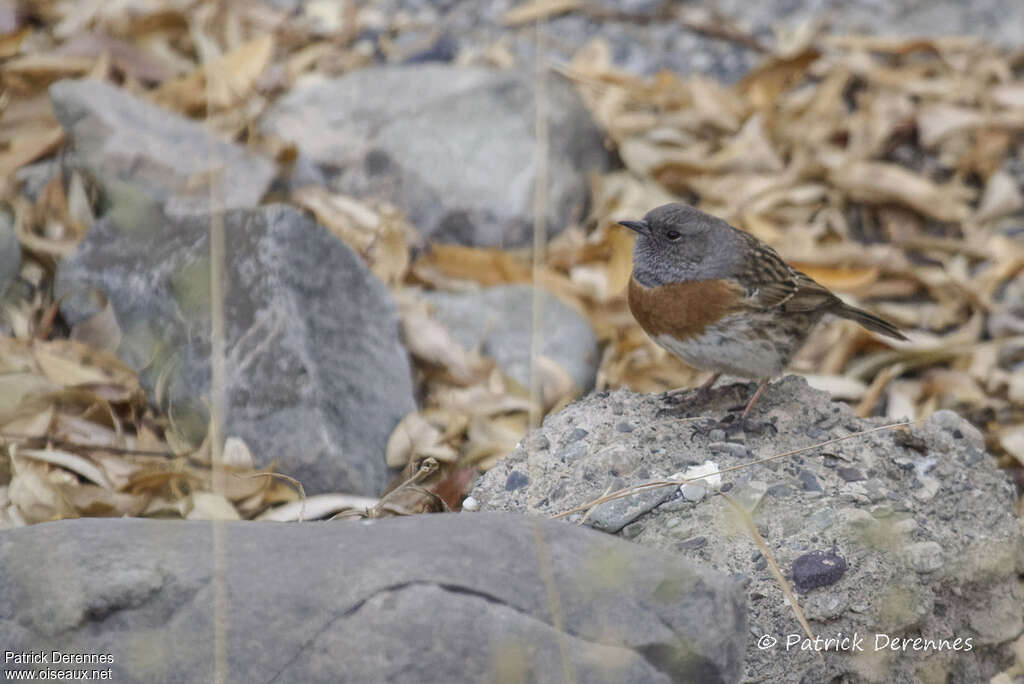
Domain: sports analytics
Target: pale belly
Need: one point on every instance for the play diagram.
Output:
(736, 346)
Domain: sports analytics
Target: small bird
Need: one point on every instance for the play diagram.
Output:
(722, 300)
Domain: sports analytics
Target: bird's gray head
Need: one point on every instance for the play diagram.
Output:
(677, 242)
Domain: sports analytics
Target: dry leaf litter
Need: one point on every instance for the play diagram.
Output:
(888, 170)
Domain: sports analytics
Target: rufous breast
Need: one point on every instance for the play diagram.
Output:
(682, 310)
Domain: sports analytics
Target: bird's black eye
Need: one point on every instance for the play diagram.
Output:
(673, 235)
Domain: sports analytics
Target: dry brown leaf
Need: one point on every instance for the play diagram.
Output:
(36, 493)
(763, 85)
(220, 84)
(210, 506)
(317, 507)
(483, 265)
(494, 437)
(412, 437)
(94, 501)
(1012, 440)
(430, 342)
(77, 464)
(1002, 196)
(534, 10)
(128, 58)
(10, 43)
(881, 182)
(32, 419)
(939, 121)
(24, 150)
(71, 364)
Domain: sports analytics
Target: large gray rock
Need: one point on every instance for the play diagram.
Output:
(145, 156)
(430, 598)
(922, 519)
(454, 147)
(500, 320)
(316, 376)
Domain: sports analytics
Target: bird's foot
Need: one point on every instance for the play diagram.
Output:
(733, 425)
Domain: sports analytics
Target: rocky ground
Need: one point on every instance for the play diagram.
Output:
(378, 173)
(901, 533)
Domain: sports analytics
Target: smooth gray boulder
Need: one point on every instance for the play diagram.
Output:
(903, 533)
(428, 598)
(145, 157)
(454, 147)
(500, 319)
(316, 375)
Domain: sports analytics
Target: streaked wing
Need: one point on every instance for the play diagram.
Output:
(771, 283)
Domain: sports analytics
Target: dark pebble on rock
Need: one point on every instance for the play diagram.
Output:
(779, 491)
(906, 439)
(577, 434)
(624, 427)
(850, 474)
(693, 544)
(818, 569)
(516, 480)
(809, 481)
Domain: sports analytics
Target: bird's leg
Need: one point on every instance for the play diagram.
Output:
(704, 390)
(753, 399)
(702, 395)
(748, 425)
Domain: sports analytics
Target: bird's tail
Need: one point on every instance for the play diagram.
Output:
(869, 321)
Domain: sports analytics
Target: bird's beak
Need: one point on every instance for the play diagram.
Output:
(638, 226)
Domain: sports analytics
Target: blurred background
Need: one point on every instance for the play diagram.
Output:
(165, 165)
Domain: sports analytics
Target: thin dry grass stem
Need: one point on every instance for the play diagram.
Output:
(586, 516)
(537, 398)
(66, 444)
(751, 526)
(554, 601)
(655, 484)
(287, 478)
(540, 234)
(218, 400)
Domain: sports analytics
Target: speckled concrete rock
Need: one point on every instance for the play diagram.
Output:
(922, 519)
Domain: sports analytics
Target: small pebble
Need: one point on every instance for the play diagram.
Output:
(850, 474)
(632, 530)
(516, 480)
(470, 504)
(730, 448)
(818, 569)
(624, 427)
(924, 556)
(693, 544)
(576, 435)
(809, 481)
(694, 492)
